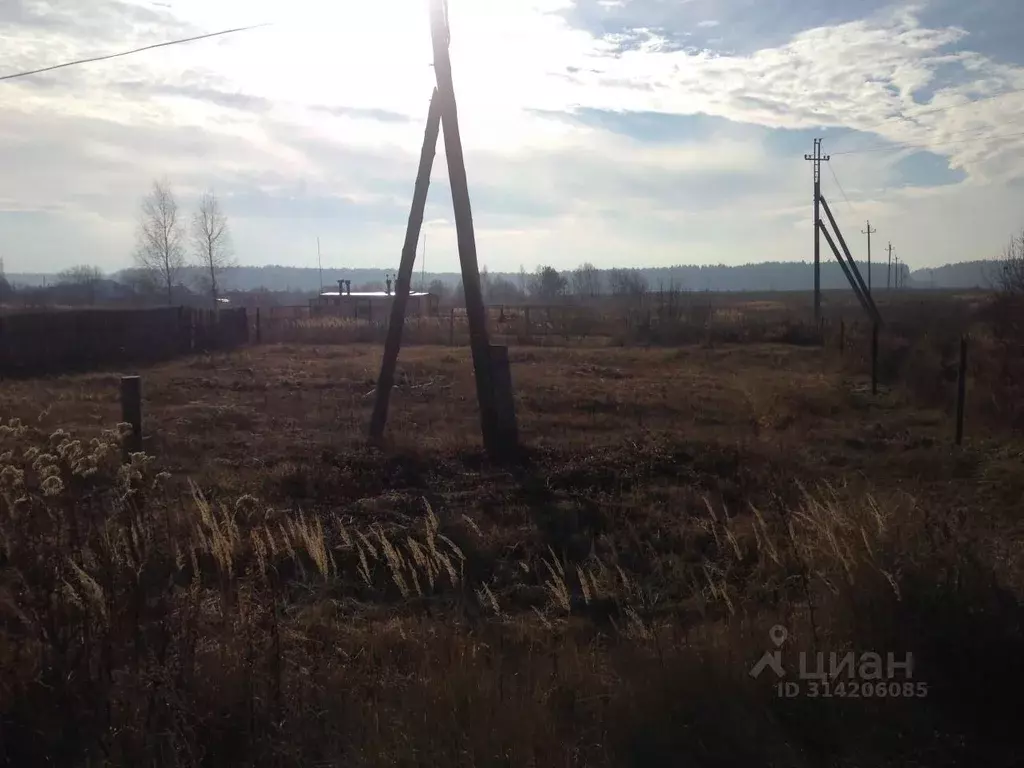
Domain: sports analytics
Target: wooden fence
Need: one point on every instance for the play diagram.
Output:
(54, 342)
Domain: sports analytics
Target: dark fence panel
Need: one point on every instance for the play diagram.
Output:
(54, 342)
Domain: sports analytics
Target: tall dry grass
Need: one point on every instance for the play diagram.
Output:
(657, 321)
(138, 629)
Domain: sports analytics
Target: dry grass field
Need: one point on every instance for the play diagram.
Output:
(264, 589)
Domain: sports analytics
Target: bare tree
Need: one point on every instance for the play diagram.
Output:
(211, 241)
(439, 289)
(83, 279)
(627, 282)
(502, 291)
(160, 250)
(586, 280)
(1009, 277)
(5, 287)
(548, 284)
(1006, 313)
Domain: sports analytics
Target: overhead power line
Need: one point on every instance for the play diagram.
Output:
(976, 131)
(841, 190)
(937, 110)
(134, 50)
(926, 146)
(902, 118)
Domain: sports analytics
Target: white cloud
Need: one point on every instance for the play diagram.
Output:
(327, 107)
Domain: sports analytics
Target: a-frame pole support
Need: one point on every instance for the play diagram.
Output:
(476, 312)
(857, 280)
(846, 270)
(497, 412)
(393, 343)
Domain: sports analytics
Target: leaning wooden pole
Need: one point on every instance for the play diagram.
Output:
(846, 270)
(393, 343)
(854, 271)
(475, 310)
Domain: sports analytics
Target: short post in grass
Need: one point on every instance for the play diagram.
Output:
(131, 413)
(874, 358)
(961, 391)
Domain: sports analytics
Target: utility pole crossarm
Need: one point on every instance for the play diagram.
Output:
(817, 159)
(888, 274)
(869, 232)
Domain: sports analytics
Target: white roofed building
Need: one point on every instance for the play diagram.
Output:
(370, 305)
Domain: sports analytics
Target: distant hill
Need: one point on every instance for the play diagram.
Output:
(765, 276)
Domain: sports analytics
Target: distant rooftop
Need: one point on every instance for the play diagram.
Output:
(370, 294)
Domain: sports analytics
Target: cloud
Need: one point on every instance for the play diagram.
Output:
(613, 131)
(380, 115)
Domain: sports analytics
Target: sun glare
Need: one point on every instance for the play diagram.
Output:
(509, 60)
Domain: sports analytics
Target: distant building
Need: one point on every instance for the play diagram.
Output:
(370, 305)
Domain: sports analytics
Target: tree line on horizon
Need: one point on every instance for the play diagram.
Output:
(88, 285)
(176, 255)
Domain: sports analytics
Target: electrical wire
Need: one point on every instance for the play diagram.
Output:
(871, 147)
(936, 111)
(134, 50)
(902, 118)
(843, 191)
(925, 146)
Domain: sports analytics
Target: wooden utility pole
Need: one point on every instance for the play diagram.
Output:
(423, 266)
(320, 266)
(393, 342)
(888, 272)
(476, 312)
(497, 413)
(817, 159)
(874, 358)
(853, 274)
(869, 232)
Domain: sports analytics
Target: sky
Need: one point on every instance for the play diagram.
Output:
(619, 132)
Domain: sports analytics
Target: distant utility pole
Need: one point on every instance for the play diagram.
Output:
(817, 159)
(423, 266)
(320, 265)
(888, 273)
(869, 232)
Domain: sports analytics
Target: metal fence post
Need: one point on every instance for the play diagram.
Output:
(131, 413)
(961, 391)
